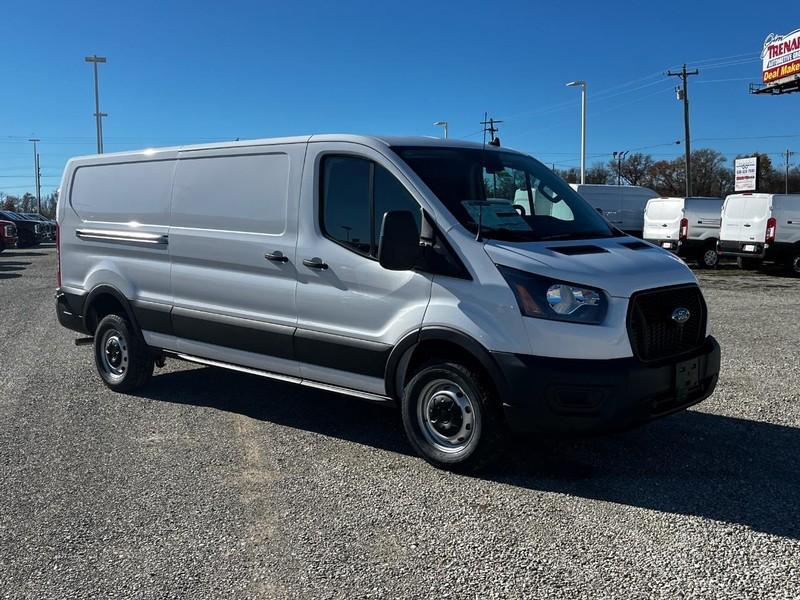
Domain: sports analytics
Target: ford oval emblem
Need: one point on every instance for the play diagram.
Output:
(681, 315)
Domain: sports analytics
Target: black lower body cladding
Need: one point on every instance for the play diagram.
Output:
(587, 396)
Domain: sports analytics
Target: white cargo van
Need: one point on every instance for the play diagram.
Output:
(688, 227)
(378, 267)
(622, 205)
(759, 227)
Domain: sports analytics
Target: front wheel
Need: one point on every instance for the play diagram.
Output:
(748, 264)
(708, 259)
(451, 418)
(121, 356)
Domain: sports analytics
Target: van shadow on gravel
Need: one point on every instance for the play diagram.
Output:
(727, 469)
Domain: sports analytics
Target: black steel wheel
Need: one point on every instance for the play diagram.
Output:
(121, 356)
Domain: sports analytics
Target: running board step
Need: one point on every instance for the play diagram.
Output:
(279, 377)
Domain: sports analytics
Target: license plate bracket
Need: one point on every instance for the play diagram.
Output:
(687, 376)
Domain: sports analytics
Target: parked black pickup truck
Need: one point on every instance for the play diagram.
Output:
(29, 232)
(49, 230)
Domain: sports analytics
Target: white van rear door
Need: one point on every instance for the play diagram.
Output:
(662, 219)
(734, 211)
(758, 208)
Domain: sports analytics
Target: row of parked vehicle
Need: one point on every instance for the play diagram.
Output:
(22, 230)
(753, 228)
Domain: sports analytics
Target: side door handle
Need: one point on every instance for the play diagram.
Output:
(315, 263)
(747, 224)
(277, 256)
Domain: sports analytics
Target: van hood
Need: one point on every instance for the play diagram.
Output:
(620, 266)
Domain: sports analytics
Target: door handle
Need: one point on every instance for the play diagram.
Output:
(277, 256)
(315, 263)
(747, 224)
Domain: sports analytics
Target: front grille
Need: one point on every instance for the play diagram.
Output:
(653, 332)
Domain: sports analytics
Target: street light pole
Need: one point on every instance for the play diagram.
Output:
(95, 60)
(36, 174)
(444, 125)
(582, 85)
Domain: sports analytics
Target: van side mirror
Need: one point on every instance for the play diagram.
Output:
(399, 249)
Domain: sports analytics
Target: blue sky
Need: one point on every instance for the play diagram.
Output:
(191, 72)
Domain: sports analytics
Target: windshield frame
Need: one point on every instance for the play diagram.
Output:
(468, 166)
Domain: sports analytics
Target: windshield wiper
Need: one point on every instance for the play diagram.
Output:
(503, 231)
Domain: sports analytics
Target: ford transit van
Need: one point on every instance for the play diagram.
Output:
(384, 268)
(762, 227)
(688, 227)
(622, 205)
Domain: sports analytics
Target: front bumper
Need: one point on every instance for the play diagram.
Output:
(584, 396)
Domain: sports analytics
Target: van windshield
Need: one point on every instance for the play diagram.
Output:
(513, 197)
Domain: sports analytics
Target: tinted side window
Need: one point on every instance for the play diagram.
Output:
(390, 195)
(345, 201)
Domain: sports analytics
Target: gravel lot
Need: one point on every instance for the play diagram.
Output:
(214, 484)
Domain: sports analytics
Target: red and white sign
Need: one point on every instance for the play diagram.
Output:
(780, 58)
(745, 174)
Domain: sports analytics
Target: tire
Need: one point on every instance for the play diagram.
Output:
(748, 264)
(793, 264)
(708, 258)
(451, 418)
(123, 360)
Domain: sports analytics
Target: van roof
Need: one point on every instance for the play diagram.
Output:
(367, 140)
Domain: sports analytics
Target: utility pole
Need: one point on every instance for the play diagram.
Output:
(683, 94)
(489, 126)
(444, 125)
(37, 174)
(787, 154)
(95, 60)
(619, 156)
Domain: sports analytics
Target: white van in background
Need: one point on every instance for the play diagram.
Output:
(622, 205)
(689, 227)
(390, 269)
(762, 227)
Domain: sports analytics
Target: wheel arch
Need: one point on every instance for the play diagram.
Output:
(427, 342)
(102, 300)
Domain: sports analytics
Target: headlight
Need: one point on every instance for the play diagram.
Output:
(36, 229)
(546, 298)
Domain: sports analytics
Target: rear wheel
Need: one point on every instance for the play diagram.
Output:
(451, 418)
(121, 356)
(793, 264)
(748, 264)
(708, 258)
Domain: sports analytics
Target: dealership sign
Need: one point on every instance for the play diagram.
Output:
(780, 58)
(745, 174)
